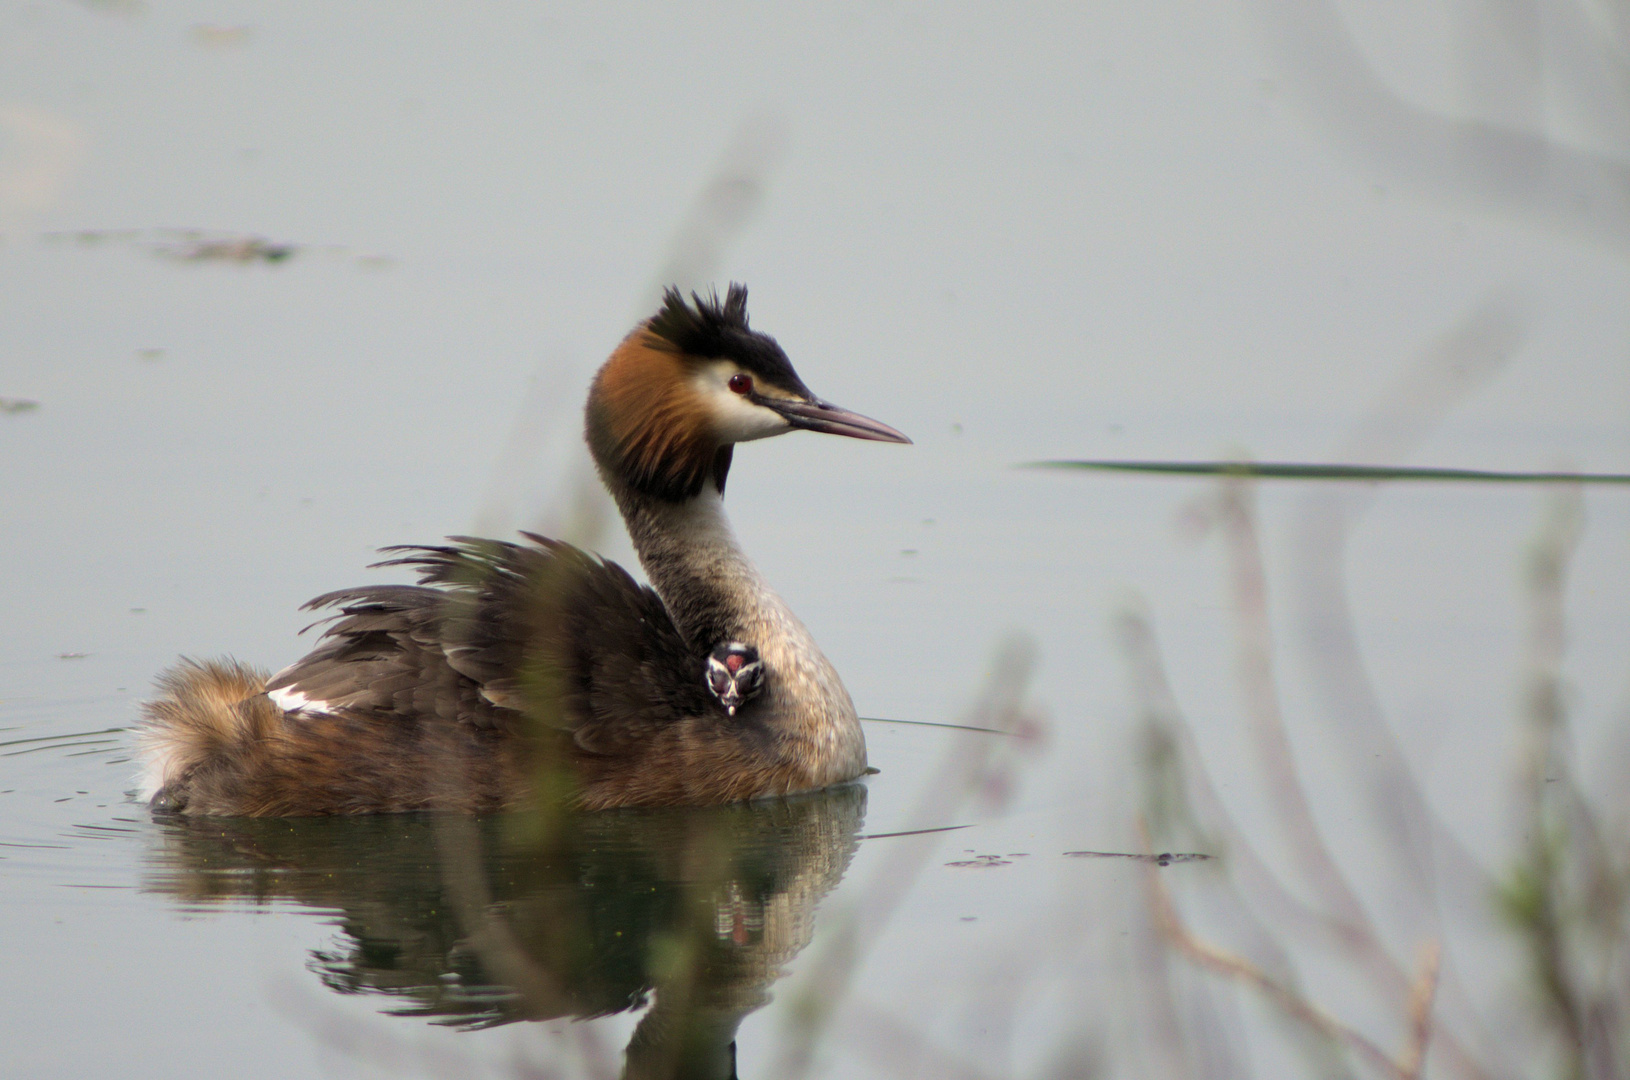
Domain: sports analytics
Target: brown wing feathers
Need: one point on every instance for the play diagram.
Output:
(383, 656)
(495, 629)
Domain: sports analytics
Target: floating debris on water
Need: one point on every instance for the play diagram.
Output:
(91, 237)
(127, 8)
(186, 245)
(240, 249)
(211, 36)
(17, 405)
(206, 245)
(1165, 858)
(72, 655)
(979, 861)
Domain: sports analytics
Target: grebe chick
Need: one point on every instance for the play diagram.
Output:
(735, 674)
(531, 672)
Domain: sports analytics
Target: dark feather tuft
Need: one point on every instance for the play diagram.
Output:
(700, 328)
(707, 328)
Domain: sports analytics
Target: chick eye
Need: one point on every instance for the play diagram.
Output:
(741, 384)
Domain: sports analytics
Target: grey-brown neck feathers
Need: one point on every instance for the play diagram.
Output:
(690, 554)
(714, 594)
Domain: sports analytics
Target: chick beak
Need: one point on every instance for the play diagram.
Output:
(818, 415)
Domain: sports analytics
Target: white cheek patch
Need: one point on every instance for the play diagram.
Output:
(735, 419)
(291, 700)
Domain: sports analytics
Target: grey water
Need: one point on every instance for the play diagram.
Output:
(284, 286)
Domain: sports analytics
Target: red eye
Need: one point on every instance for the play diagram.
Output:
(741, 384)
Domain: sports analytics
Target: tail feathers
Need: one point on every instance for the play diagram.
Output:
(214, 743)
(208, 714)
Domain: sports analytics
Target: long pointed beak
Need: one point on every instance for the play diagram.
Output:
(824, 416)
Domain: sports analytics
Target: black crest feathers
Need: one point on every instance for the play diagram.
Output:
(704, 327)
(707, 328)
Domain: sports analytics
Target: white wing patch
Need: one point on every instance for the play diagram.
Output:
(291, 700)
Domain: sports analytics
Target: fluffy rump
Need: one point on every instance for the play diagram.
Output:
(213, 742)
(205, 711)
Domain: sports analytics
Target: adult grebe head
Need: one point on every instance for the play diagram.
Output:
(687, 385)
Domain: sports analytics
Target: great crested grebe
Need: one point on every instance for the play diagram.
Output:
(515, 671)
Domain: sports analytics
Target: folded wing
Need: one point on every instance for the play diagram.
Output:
(504, 635)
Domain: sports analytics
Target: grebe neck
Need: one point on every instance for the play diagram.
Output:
(711, 588)
(715, 593)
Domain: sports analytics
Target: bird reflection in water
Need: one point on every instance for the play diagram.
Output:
(475, 922)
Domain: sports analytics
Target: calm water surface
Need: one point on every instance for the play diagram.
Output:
(1071, 233)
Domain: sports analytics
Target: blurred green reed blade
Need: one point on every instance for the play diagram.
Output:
(913, 832)
(935, 723)
(1292, 470)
